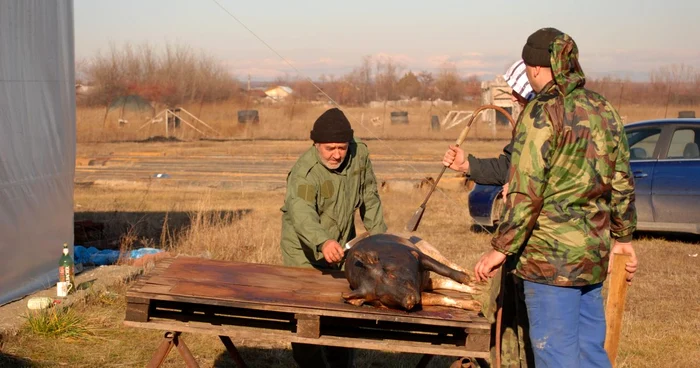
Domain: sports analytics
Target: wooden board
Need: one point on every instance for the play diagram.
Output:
(275, 288)
(275, 303)
(479, 349)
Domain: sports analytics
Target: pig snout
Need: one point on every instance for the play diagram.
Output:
(410, 301)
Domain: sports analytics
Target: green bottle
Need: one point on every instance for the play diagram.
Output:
(66, 273)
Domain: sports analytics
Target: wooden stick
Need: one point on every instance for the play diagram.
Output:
(615, 305)
(233, 352)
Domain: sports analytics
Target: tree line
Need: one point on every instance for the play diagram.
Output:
(177, 74)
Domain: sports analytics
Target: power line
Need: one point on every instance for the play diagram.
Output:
(329, 97)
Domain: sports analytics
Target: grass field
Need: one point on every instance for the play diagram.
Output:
(294, 121)
(663, 306)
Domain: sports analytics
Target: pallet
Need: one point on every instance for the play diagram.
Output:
(274, 303)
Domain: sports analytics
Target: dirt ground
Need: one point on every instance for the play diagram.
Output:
(246, 165)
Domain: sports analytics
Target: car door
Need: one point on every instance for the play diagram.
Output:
(676, 178)
(644, 147)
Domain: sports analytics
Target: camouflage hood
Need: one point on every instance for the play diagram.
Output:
(566, 69)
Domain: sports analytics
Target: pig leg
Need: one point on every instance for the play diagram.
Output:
(428, 249)
(430, 264)
(440, 282)
(446, 301)
(355, 297)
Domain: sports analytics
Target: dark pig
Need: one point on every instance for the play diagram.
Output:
(389, 271)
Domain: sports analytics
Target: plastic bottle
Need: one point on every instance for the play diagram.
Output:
(39, 303)
(66, 273)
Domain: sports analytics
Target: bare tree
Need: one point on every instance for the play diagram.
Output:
(448, 83)
(409, 86)
(427, 85)
(386, 79)
(171, 75)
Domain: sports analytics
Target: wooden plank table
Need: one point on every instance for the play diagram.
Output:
(275, 303)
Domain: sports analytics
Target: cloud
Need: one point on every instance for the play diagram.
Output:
(402, 59)
(437, 61)
(621, 62)
(636, 63)
(325, 61)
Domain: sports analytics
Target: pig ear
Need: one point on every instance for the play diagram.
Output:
(368, 259)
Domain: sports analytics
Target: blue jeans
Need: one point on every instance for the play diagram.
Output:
(567, 325)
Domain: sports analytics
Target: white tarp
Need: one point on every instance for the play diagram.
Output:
(37, 142)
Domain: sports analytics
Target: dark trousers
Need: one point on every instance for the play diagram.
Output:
(317, 356)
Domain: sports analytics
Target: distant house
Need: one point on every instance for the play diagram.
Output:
(82, 89)
(278, 93)
(82, 92)
(498, 92)
(253, 93)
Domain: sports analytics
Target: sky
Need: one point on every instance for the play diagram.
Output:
(621, 38)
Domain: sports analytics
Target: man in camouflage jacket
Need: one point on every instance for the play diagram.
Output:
(571, 195)
(331, 180)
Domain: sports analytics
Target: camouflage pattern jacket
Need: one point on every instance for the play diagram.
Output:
(320, 205)
(571, 188)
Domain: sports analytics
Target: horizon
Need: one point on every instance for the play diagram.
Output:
(624, 39)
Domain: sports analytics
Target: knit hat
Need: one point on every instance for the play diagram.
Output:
(536, 50)
(517, 80)
(332, 127)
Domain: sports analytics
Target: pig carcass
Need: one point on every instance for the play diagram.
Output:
(389, 271)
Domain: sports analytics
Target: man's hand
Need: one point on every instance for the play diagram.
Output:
(488, 265)
(631, 266)
(454, 159)
(332, 251)
(505, 192)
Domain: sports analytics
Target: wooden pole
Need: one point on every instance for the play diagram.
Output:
(166, 123)
(615, 305)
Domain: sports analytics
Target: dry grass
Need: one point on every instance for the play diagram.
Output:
(282, 121)
(661, 320)
(56, 322)
(293, 121)
(636, 112)
(660, 325)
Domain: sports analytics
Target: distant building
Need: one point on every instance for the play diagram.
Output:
(497, 92)
(254, 93)
(278, 93)
(82, 89)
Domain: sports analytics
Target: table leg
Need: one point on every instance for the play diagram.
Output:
(185, 352)
(463, 363)
(233, 352)
(423, 362)
(162, 351)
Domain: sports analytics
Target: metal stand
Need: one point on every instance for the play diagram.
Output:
(171, 339)
(233, 352)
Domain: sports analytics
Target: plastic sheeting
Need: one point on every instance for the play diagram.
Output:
(37, 142)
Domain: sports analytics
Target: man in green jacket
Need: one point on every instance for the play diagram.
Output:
(331, 180)
(570, 205)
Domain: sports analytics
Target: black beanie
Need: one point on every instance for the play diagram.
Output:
(536, 50)
(332, 127)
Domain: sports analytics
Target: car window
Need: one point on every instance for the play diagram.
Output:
(642, 143)
(684, 144)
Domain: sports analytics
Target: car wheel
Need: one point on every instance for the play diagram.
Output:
(497, 209)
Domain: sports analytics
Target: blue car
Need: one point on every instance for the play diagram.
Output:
(665, 162)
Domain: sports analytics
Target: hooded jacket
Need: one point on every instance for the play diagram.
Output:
(570, 185)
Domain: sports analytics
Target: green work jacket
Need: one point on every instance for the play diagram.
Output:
(320, 205)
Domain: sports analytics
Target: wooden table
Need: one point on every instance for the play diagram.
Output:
(271, 303)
